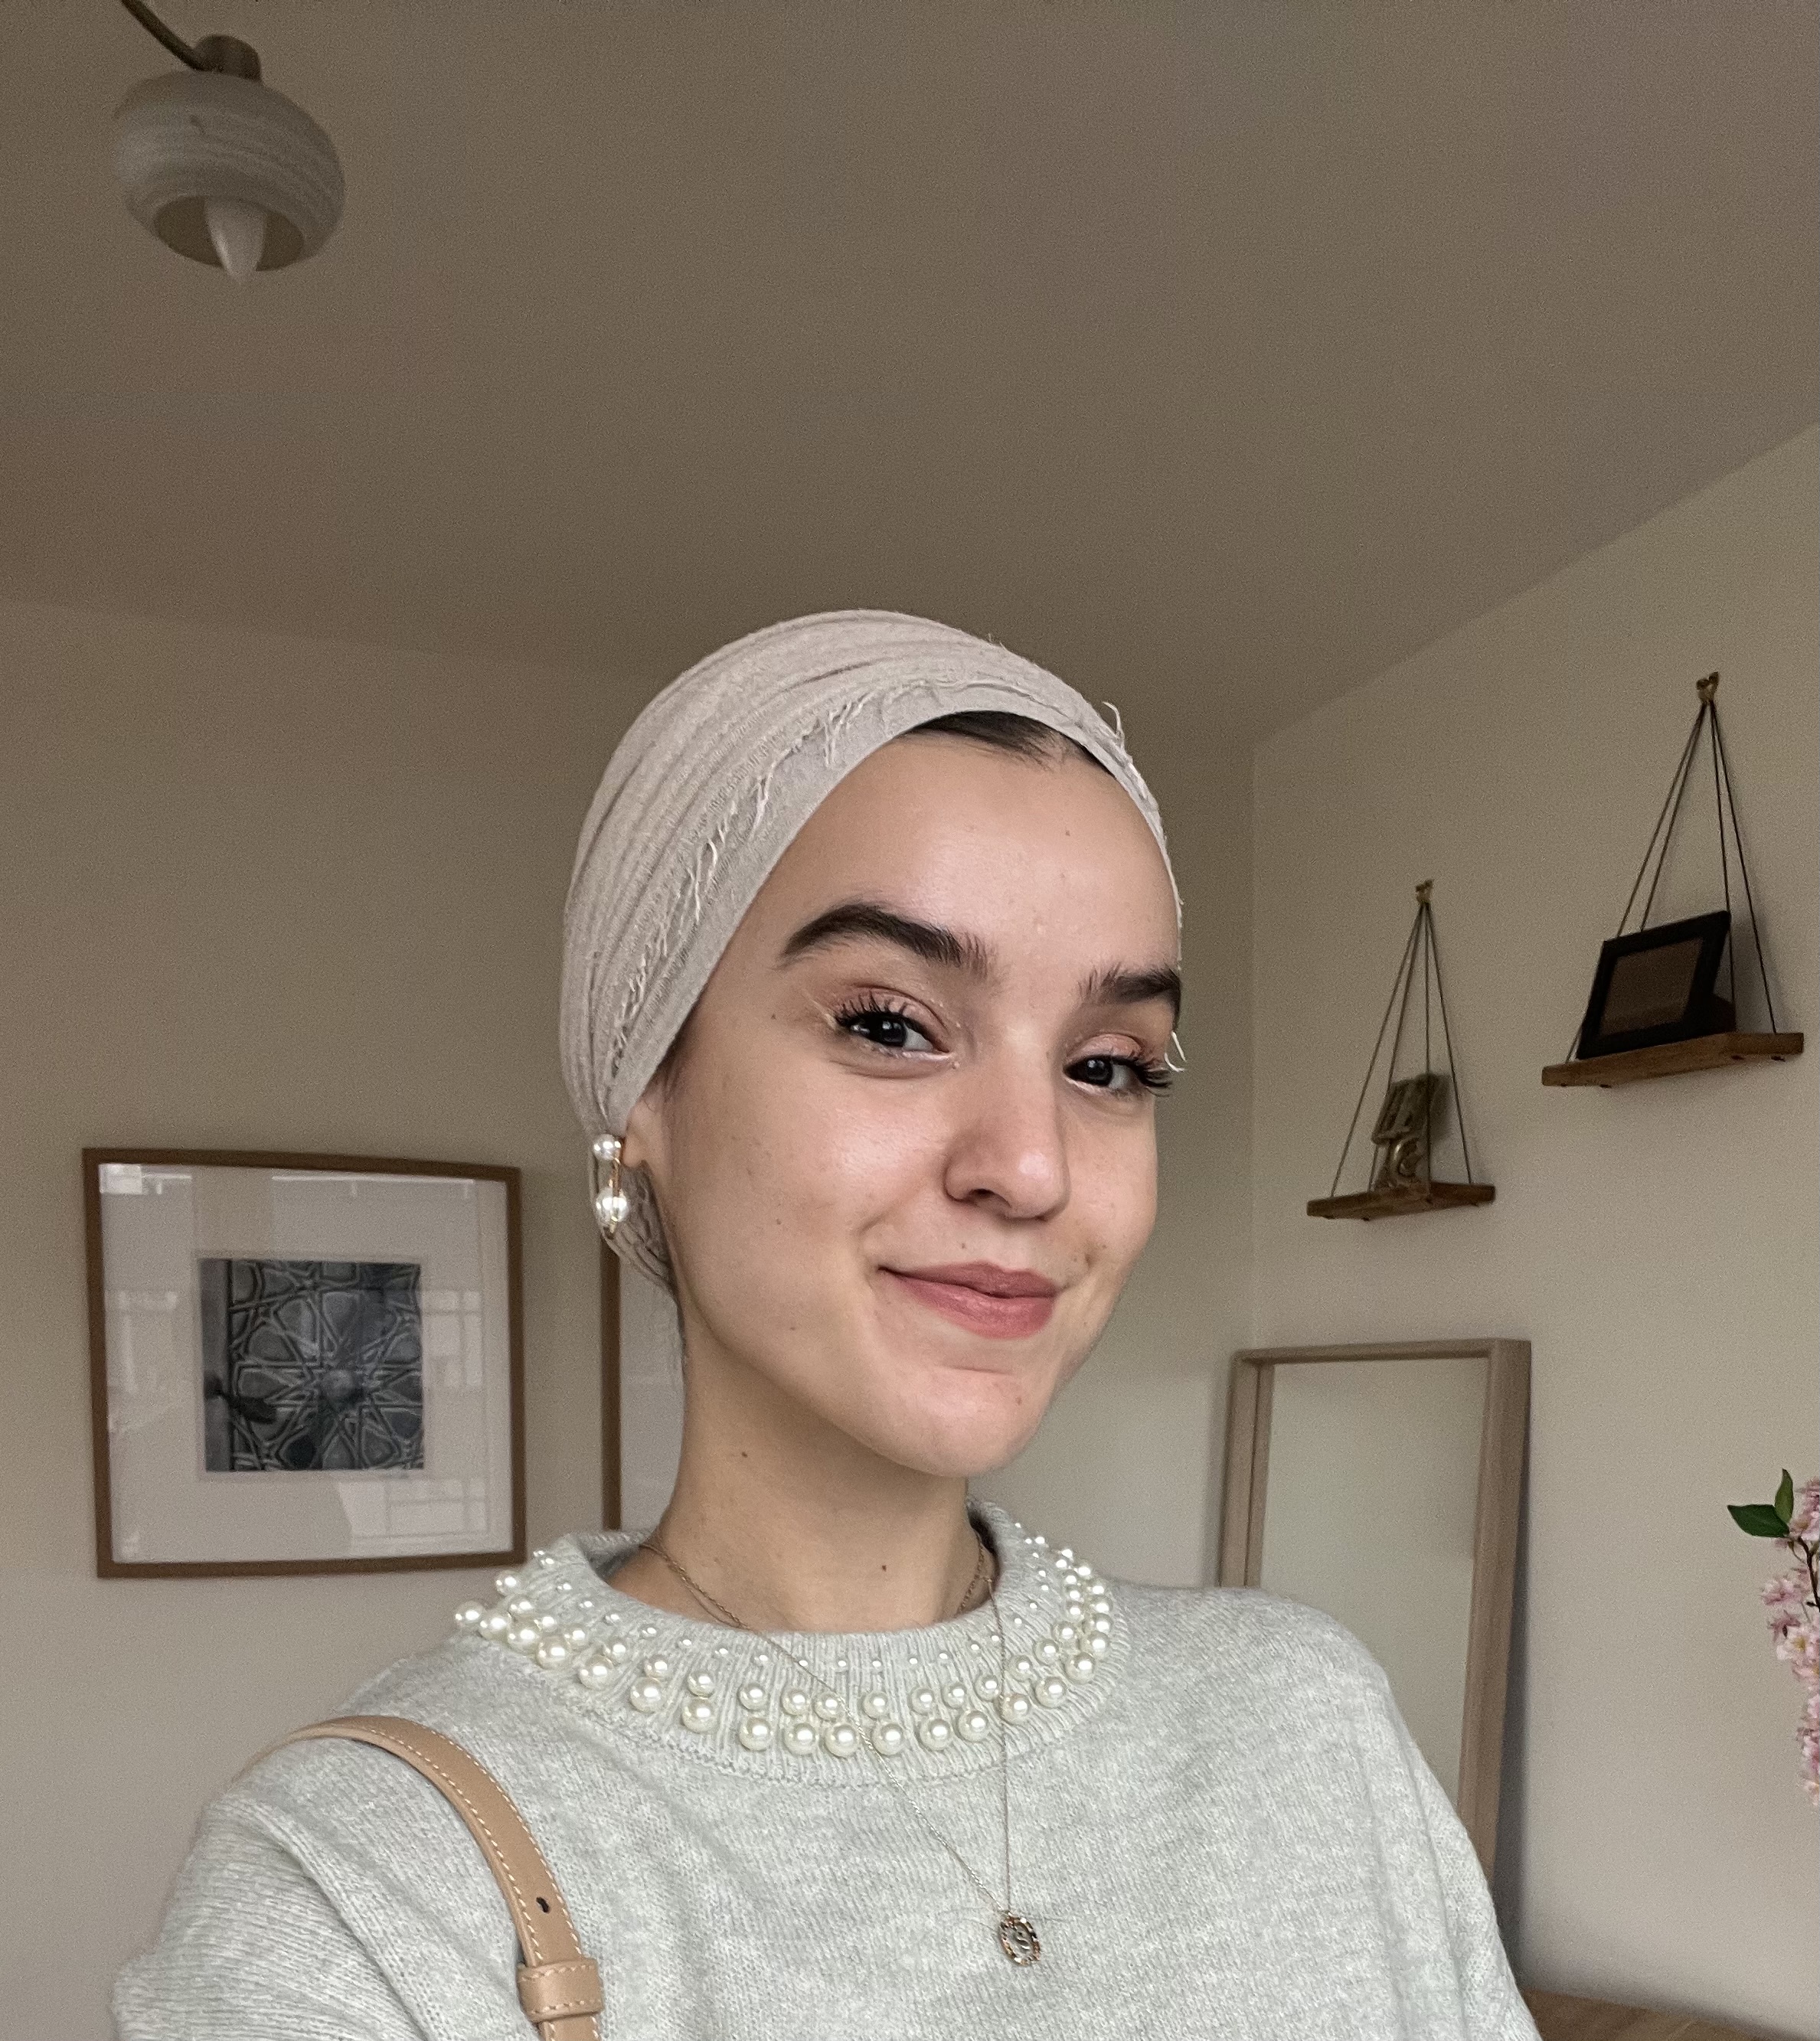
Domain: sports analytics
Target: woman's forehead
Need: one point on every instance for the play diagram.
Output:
(984, 844)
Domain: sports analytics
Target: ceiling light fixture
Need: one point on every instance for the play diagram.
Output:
(218, 165)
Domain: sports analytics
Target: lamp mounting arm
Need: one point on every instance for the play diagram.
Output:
(218, 53)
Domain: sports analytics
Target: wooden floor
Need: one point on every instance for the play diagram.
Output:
(1561, 2019)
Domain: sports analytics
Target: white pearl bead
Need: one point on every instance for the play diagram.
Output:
(955, 1694)
(1101, 1626)
(1098, 1647)
(877, 1706)
(1052, 1690)
(1047, 1650)
(521, 1605)
(755, 1733)
(1014, 1707)
(657, 1668)
(753, 1695)
(700, 1684)
(507, 1583)
(828, 1707)
(1081, 1669)
(1022, 1667)
(974, 1726)
(575, 1637)
(922, 1702)
(546, 1623)
(796, 1702)
(986, 1686)
(888, 1739)
(934, 1733)
(593, 1673)
(1101, 1606)
(495, 1623)
(618, 1650)
(587, 1603)
(553, 1653)
(697, 1713)
(524, 1637)
(646, 1695)
(1082, 1570)
(1065, 1632)
(542, 1558)
(840, 1739)
(800, 1737)
(470, 1615)
(1039, 1541)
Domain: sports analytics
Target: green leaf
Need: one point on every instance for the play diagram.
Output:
(1785, 1496)
(1759, 1519)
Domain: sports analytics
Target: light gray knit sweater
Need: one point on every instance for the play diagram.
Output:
(1220, 1828)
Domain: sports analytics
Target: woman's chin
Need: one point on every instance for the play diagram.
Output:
(957, 1432)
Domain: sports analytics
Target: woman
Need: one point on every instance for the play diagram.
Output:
(870, 989)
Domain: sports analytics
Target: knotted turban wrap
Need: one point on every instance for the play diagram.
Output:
(701, 799)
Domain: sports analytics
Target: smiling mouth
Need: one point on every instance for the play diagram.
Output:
(1000, 1303)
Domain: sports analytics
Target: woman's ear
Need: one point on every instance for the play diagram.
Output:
(643, 1138)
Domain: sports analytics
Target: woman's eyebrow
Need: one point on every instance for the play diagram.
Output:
(1121, 985)
(866, 920)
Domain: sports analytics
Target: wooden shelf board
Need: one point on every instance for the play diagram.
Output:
(1704, 1052)
(1401, 1204)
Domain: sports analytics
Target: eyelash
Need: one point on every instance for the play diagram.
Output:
(1151, 1074)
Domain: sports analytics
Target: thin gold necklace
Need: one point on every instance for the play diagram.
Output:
(1017, 1938)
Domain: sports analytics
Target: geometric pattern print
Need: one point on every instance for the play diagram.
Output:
(312, 1364)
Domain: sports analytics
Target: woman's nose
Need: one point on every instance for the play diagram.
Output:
(1008, 1146)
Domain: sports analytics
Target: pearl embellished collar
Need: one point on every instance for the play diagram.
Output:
(922, 1699)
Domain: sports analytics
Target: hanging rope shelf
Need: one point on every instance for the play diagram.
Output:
(1412, 1120)
(1655, 1008)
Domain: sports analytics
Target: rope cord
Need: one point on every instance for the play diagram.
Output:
(1446, 1038)
(1680, 796)
(1352, 1125)
(1743, 871)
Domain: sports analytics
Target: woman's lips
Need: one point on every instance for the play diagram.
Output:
(1000, 1303)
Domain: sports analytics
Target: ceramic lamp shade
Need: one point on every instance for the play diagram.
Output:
(187, 137)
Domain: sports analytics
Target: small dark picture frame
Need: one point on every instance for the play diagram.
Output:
(1656, 985)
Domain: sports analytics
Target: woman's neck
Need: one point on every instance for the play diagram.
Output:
(794, 1525)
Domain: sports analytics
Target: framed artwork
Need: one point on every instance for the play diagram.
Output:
(302, 1363)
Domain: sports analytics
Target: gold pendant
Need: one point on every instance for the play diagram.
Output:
(1017, 1938)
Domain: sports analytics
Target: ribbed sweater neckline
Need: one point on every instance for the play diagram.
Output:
(926, 1702)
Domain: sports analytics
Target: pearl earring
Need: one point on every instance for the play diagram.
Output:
(611, 1203)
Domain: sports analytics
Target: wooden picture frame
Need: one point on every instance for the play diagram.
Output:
(491, 1364)
(1502, 1437)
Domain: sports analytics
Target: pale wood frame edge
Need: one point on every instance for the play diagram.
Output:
(107, 1566)
(1500, 1454)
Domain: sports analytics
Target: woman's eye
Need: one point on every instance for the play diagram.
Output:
(883, 1029)
(1119, 1073)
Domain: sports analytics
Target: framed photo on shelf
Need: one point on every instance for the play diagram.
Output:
(302, 1363)
(1657, 985)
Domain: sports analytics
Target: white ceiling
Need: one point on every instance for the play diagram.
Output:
(1218, 355)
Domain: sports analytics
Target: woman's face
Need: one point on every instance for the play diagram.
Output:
(907, 1157)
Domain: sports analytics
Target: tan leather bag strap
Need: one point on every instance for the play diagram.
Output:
(558, 1987)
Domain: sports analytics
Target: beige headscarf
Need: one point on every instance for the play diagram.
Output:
(702, 797)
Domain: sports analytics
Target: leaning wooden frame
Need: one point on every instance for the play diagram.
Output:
(1498, 1501)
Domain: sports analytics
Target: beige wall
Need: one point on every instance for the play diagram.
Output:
(258, 893)
(1657, 1242)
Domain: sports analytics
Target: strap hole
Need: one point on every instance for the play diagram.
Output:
(543, 1904)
